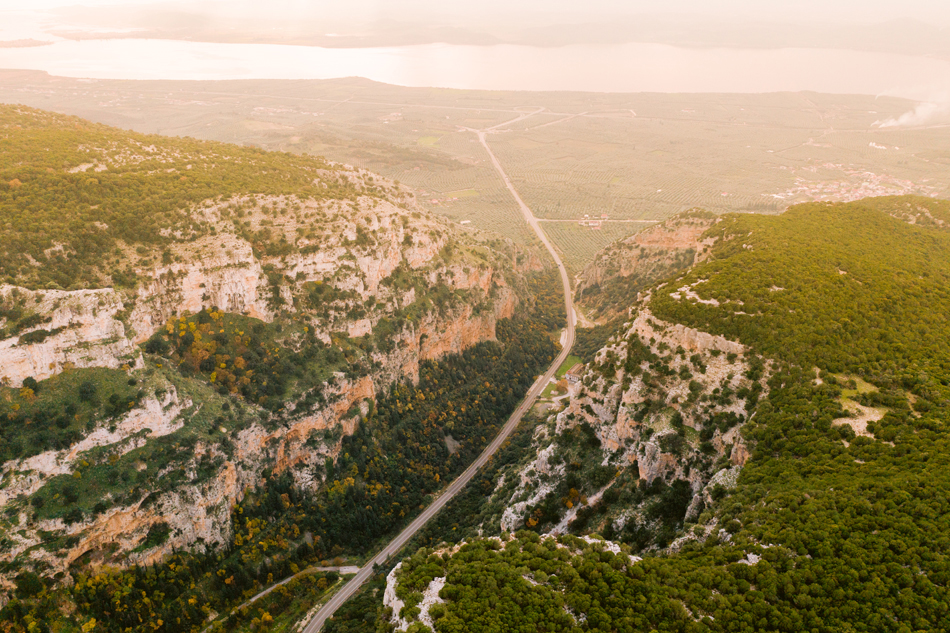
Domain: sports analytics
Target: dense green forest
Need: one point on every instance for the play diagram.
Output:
(263, 363)
(384, 474)
(842, 287)
(75, 194)
(827, 530)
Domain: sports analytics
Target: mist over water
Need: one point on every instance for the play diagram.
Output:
(631, 67)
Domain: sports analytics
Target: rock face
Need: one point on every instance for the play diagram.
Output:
(645, 258)
(153, 418)
(371, 261)
(640, 251)
(662, 403)
(101, 328)
(228, 276)
(78, 329)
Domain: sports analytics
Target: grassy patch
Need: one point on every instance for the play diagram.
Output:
(854, 385)
(549, 391)
(569, 362)
(59, 411)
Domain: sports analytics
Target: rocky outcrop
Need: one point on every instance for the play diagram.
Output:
(665, 402)
(285, 447)
(202, 513)
(123, 526)
(192, 515)
(639, 252)
(153, 418)
(76, 329)
(102, 328)
(436, 335)
(536, 480)
(645, 258)
(225, 274)
(198, 514)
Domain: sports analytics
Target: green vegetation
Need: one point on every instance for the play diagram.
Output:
(53, 414)
(73, 194)
(544, 288)
(569, 362)
(564, 584)
(579, 452)
(384, 474)
(17, 316)
(361, 613)
(827, 530)
(932, 213)
(588, 341)
(628, 267)
(243, 356)
(474, 506)
(387, 469)
(842, 287)
(111, 475)
(285, 606)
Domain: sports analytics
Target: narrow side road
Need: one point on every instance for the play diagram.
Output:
(344, 570)
(327, 611)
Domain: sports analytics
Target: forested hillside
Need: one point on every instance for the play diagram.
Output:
(838, 518)
(220, 367)
(385, 472)
(75, 195)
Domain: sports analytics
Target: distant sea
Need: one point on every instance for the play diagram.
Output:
(613, 68)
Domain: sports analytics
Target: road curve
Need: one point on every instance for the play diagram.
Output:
(350, 588)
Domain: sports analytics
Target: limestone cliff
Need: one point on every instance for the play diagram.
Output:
(356, 253)
(82, 328)
(660, 404)
(609, 284)
(353, 270)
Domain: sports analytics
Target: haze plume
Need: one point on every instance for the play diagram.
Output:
(933, 111)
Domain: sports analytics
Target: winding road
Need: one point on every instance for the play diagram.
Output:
(393, 547)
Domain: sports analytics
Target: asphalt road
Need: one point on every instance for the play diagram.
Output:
(397, 543)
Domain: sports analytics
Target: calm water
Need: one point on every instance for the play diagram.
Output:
(615, 68)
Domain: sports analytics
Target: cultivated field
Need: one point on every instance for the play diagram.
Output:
(579, 244)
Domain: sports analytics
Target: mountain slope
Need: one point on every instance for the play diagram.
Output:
(185, 324)
(837, 518)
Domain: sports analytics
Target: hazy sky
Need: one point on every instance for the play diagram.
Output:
(840, 10)
(934, 12)
(897, 47)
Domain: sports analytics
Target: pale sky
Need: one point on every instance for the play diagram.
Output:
(933, 12)
(897, 47)
(840, 10)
